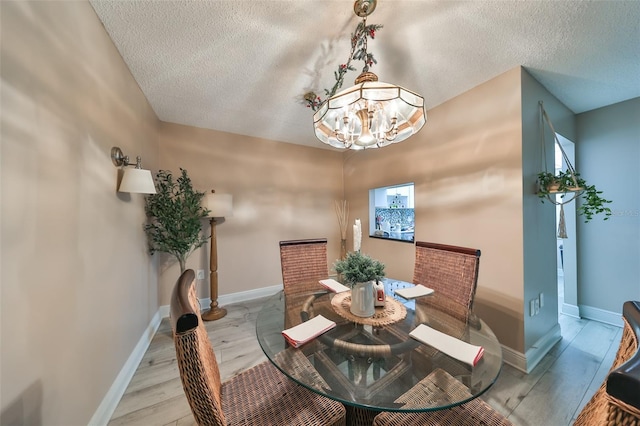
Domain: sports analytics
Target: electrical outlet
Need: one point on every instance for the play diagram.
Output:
(541, 298)
(532, 308)
(201, 274)
(536, 302)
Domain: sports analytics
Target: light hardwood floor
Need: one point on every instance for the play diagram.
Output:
(551, 395)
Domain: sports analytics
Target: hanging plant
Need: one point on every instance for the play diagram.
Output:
(566, 182)
(562, 182)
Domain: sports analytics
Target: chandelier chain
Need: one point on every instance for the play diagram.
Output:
(358, 52)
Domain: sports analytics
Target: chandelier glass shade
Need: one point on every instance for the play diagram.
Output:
(370, 114)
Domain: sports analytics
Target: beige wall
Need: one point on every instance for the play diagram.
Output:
(78, 288)
(466, 166)
(280, 192)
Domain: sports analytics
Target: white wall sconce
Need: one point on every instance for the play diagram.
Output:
(136, 180)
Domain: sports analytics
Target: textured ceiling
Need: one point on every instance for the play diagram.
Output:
(242, 66)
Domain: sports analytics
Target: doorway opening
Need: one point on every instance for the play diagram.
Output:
(566, 247)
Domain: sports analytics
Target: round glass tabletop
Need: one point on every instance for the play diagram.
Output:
(379, 366)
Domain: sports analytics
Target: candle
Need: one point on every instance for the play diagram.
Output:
(357, 235)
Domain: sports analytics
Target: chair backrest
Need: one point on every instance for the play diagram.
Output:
(623, 381)
(451, 271)
(303, 263)
(618, 397)
(199, 370)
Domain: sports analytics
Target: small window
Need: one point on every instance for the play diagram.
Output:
(391, 212)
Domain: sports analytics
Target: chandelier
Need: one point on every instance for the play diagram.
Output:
(371, 114)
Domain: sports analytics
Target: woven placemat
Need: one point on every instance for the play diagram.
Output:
(393, 311)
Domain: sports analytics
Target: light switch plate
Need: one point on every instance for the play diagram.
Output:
(200, 274)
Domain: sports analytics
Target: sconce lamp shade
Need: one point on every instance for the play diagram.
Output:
(220, 205)
(138, 181)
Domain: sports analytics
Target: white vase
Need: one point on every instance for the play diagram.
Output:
(362, 299)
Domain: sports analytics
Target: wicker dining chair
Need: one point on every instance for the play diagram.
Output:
(440, 385)
(451, 271)
(260, 396)
(303, 263)
(617, 401)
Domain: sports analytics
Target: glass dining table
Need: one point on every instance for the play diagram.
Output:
(373, 364)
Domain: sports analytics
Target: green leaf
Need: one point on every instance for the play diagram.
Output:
(358, 268)
(590, 201)
(175, 216)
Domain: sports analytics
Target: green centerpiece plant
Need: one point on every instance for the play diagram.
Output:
(357, 267)
(175, 217)
(360, 272)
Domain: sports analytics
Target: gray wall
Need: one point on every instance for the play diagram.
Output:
(608, 156)
(539, 237)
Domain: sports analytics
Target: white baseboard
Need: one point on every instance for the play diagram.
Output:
(540, 348)
(597, 314)
(571, 310)
(227, 299)
(163, 310)
(528, 361)
(112, 398)
(514, 358)
(243, 296)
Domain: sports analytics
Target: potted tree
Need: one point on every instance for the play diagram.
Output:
(175, 217)
(360, 272)
(565, 182)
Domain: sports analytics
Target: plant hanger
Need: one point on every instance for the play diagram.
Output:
(577, 189)
(564, 182)
(569, 181)
(550, 194)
